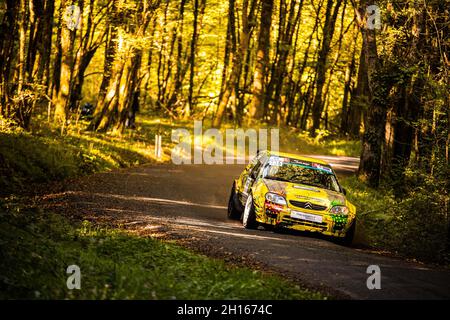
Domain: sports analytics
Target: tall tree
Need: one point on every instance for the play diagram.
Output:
(68, 32)
(287, 26)
(102, 112)
(359, 99)
(262, 60)
(124, 79)
(7, 54)
(372, 142)
(181, 63)
(199, 9)
(348, 92)
(87, 46)
(327, 35)
(238, 53)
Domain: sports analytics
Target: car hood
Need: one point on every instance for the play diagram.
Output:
(305, 193)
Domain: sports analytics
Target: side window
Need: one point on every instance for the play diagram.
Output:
(254, 162)
(255, 169)
(261, 160)
(251, 164)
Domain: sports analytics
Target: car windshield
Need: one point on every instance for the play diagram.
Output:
(301, 172)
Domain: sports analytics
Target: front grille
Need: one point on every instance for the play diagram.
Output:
(292, 221)
(302, 204)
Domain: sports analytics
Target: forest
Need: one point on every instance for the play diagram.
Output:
(374, 72)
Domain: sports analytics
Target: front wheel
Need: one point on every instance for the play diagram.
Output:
(348, 238)
(249, 216)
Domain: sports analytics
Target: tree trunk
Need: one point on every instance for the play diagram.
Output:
(328, 31)
(22, 26)
(229, 93)
(197, 7)
(56, 78)
(262, 60)
(128, 87)
(406, 115)
(101, 108)
(370, 161)
(348, 92)
(284, 48)
(123, 90)
(181, 65)
(86, 51)
(67, 64)
(303, 98)
(22, 104)
(45, 44)
(7, 54)
(359, 100)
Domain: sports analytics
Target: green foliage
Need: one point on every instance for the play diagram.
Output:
(414, 225)
(37, 247)
(324, 143)
(28, 158)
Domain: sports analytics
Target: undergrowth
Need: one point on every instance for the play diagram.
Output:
(414, 225)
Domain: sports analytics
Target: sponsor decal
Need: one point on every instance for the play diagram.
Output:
(322, 167)
(307, 188)
(301, 162)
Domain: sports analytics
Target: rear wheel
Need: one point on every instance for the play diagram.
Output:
(249, 216)
(233, 212)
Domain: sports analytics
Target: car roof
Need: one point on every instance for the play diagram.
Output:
(297, 157)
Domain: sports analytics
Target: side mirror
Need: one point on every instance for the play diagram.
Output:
(344, 191)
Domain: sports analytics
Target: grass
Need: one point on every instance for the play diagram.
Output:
(37, 247)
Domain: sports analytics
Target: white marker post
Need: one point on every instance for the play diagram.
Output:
(158, 141)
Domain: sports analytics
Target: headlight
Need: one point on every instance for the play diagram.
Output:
(275, 198)
(339, 210)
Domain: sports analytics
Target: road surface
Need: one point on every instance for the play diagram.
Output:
(190, 201)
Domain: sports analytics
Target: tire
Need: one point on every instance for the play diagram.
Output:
(348, 238)
(233, 212)
(249, 215)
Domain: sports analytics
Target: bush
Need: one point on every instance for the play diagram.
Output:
(44, 155)
(27, 159)
(414, 225)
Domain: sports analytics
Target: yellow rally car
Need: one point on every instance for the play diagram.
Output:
(287, 190)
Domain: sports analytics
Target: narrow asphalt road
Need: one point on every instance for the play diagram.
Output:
(192, 199)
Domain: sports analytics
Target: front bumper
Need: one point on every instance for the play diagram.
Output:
(331, 225)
